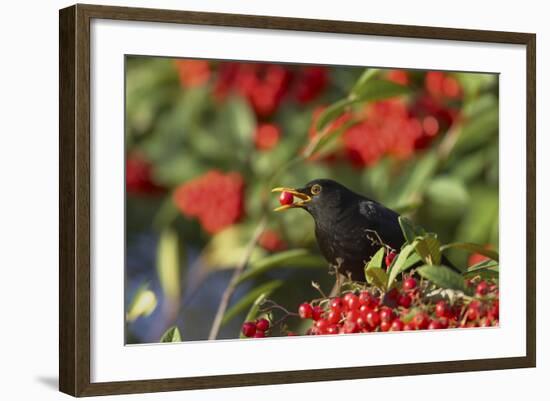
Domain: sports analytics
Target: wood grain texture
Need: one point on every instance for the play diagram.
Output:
(67, 130)
(74, 198)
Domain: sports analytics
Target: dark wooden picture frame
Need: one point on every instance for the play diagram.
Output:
(74, 204)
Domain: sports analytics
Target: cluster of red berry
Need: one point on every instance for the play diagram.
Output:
(398, 310)
(264, 85)
(401, 309)
(216, 199)
(257, 329)
(397, 127)
(387, 129)
(441, 85)
(139, 179)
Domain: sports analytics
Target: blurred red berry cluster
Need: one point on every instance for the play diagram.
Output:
(266, 136)
(397, 127)
(265, 85)
(271, 241)
(441, 85)
(193, 72)
(216, 199)
(387, 129)
(139, 179)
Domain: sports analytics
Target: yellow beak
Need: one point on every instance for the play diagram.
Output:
(304, 198)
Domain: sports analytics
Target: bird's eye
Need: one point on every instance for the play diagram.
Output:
(315, 189)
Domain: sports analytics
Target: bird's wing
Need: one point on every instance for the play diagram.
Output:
(384, 221)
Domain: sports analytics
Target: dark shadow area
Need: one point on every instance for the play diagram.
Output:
(51, 382)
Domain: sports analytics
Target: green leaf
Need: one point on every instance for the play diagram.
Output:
(473, 248)
(377, 261)
(381, 89)
(363, 80)
(443, 277)
(241, 119)
(374, 271)
(143, 304)
(428, 249)
(250, 299)
(332, 112)
(329, 141)
(377, 277)
(168, 268)
(485, 269)
(172, 335)
(292, 258)
(402, 262)
(410, 230)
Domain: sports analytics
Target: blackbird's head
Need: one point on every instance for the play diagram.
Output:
(318, 197)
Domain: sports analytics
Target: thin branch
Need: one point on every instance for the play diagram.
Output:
(226, 296)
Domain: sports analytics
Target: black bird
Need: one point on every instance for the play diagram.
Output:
(349, 227)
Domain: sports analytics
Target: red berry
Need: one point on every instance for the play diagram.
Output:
(397, 325)
(248, 329)
(259, 334)
(362, 323)
(409, 327)
(494, 309)
(291, 334)
(336, 305)
(421, 320)
(286, 198)
(390, 256)
(262, 324)
(317, 313)
(441, 309)
(305, 311)
(352, 301)
(434, 325)
(482, 288)
(365, 298)
(404, 300)
(386, 315)
(385, 326)
(321, 326)
(409, 284)
(350, 327)
(444, 321)
(353, 315)
(332, 329)
(333, 317)
(373, 318)
(473, 312)
(485, 322)
(364, 309)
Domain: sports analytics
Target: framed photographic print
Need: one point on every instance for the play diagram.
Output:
(238, 192)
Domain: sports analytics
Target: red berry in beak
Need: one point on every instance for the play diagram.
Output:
(286, 198)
